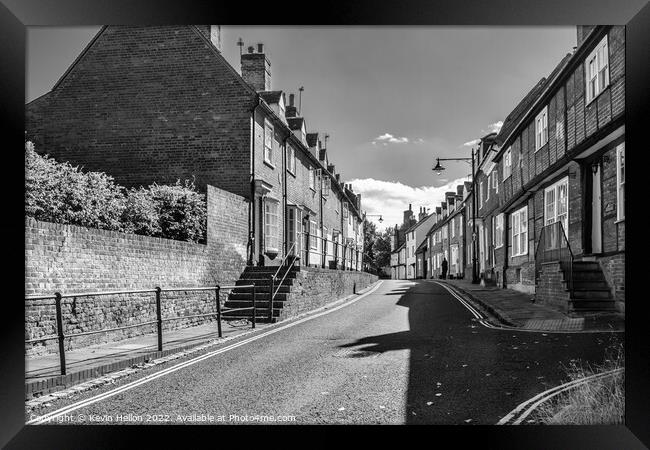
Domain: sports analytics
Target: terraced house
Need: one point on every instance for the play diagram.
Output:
(157, 104)
(551, 186)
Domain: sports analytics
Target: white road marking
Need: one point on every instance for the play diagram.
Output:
(89, 401)
(547, 395)
(483, 320)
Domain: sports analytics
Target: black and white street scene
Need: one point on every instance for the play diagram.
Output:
(325, 225)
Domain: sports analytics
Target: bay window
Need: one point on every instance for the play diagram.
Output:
(271, 226)
(556, 204)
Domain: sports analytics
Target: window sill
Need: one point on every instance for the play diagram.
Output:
(269, 164)
(312, 189)
(291, 173)
(516, 256)
(587, 103)
(620, 220)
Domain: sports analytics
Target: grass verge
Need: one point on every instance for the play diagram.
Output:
(597, 402)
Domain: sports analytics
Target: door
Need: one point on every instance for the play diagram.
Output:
(596, 224)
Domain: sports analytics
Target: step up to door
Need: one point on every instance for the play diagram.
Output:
(261, 282)
(593, 305)
(588, 294)
(263, 304)
(259, 296)
(580, 266)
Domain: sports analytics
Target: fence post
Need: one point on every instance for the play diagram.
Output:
(254, 305)
(159, 318)
(217, 290)
(59, 330)
(271, 299)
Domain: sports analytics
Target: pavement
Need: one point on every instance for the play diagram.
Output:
(517, 309)
(405, 352)
(43, 373)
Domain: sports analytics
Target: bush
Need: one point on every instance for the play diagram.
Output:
(181, 210)
(58, 192)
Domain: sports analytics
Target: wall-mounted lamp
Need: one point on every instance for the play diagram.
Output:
(594, 167)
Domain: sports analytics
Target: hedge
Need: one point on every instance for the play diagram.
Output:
(58, 192)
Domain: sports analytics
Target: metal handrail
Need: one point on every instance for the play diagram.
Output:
(159, 319)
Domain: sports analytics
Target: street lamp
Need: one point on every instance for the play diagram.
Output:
(381, 219)
(438, 170)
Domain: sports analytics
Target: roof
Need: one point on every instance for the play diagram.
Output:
(271, 97)
(312, 139)
(295, 123)
(422, 246)
(524, 106)
(399, 248)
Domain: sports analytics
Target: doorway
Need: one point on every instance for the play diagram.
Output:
(596, 205)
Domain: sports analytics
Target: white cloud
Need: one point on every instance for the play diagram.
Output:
(391, 198)
(495, 127)
(471, 143)
(389, 138)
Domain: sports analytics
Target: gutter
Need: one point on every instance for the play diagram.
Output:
(251, 207)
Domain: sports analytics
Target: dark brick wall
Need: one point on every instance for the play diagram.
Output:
(72, 259)
(614, 270)
(551, 290)
(145, 104)
(316, 287)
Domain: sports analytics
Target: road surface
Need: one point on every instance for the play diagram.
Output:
(408, 352)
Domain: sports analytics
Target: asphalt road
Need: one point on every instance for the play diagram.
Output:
(407, 353)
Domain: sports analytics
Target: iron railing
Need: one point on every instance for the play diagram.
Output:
(343, 253)
(61, 335)
(553, 246)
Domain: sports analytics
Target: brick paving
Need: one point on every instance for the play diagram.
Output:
(517, 309)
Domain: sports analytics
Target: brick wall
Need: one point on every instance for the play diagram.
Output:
(551, 289)
(149, 103)
(614, 270)
(315, 287)
(73, 259)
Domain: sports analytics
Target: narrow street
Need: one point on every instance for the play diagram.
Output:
(406, 353)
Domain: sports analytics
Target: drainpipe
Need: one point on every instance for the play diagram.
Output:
(284, 195)
(251, 208)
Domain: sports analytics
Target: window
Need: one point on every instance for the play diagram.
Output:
(453, 226)
(507, 163)
(480, 194)
(519, 221)
(345, 210)
(313, 236)
(620, 182)
(268, 142)
(556, 205)
(487, 191)
(498, 231)
(460, 228)
(597, 70)
(454, 255)
(291, 159)
(444, 232)
(495, 181)
(312, 179)
(271, 228)
(541, 129)
(326, 186)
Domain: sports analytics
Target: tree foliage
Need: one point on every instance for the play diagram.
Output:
(58, 192)
(377, 248)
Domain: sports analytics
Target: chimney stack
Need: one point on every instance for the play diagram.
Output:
(291, 110)
(256, 68)
(422, 214)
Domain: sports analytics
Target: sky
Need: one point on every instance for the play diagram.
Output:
(392, 99)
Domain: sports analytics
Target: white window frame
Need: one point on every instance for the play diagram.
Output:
(620, 182)
(551, 215)
(313, 235)
(519, 224)
(291, 159)
(507, 163)
(489, 186)
(597, 70)
(453, 227)
(498, 231)
(541, 128)
(271, 224)
(312, 178)
(495, 181)
(268, 141)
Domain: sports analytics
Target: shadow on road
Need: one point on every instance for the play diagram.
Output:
(438, 332)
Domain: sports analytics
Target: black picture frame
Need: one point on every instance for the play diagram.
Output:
(16, 15)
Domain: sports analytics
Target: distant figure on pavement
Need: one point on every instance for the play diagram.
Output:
(444, 268)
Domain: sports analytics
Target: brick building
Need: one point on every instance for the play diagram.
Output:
(551, 183)
(160, 103)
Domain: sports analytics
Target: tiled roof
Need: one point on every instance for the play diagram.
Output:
(528, 101)
(271, 97)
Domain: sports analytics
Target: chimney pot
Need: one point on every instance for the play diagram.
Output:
(260, 48)
(251, 49)
(291, 97)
